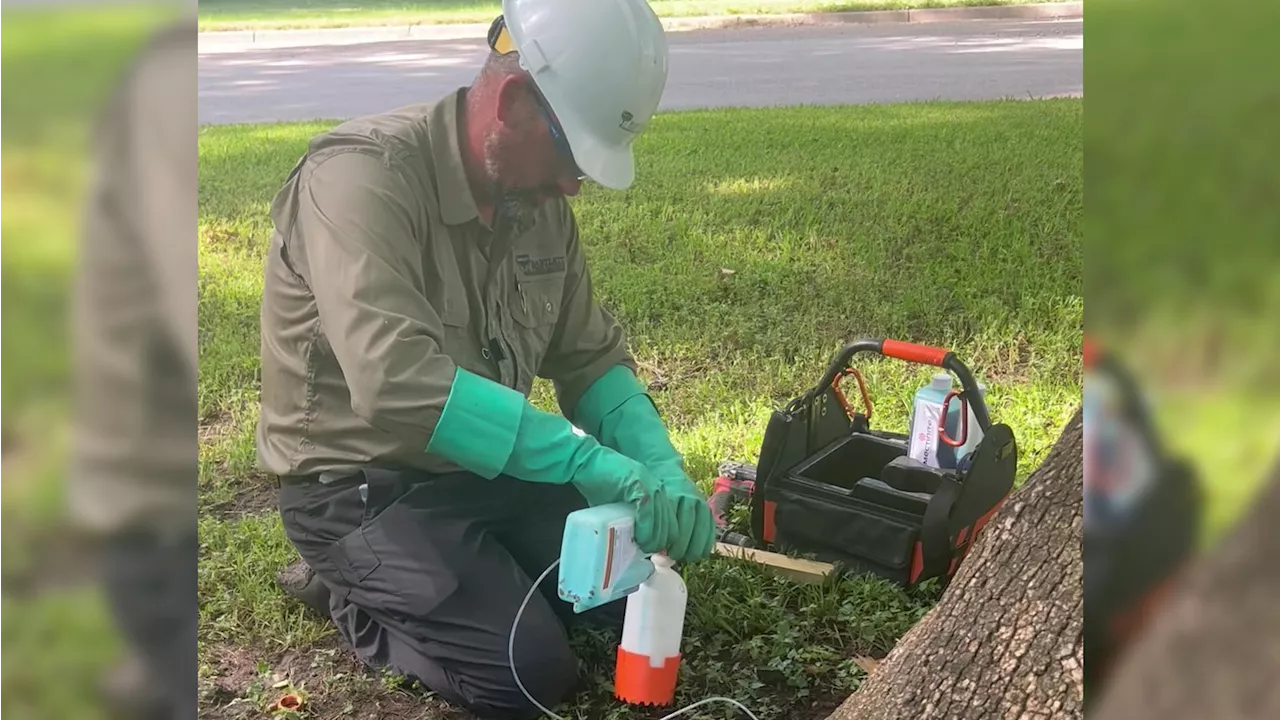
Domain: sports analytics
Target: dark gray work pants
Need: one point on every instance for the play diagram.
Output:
(150, 585)
(427, 575)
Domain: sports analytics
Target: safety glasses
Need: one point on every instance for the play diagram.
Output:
(500, 42)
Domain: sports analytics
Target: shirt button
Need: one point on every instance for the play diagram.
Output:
(548, 307)
(484, 353)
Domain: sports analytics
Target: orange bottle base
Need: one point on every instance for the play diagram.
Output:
(637, 683)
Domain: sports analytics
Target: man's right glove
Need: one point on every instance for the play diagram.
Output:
(490, 430)
(617, 409)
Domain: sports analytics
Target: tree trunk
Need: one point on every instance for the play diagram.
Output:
(1006, 639)
(1214, 650)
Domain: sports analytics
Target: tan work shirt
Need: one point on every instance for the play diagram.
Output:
(381, 278)
(133, 461)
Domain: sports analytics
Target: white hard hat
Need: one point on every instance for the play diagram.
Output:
(602, 67)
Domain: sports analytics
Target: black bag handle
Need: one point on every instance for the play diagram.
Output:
(910, 352)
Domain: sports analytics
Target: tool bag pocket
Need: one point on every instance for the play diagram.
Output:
(862, 537)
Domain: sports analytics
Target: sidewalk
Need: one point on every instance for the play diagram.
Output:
(239, 40)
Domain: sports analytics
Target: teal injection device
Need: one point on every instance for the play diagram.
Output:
(599, 559)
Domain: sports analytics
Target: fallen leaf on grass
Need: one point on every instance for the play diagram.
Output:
(868, 664)
(288, 703)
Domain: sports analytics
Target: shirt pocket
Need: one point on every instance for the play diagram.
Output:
(454, 312)
(536, 302)
(459, 342)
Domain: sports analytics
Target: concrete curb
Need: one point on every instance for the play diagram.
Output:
(239, 40)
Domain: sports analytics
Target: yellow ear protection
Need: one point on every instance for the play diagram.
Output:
(499, 39)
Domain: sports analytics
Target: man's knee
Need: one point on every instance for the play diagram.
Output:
(548, 673)
(476, 676)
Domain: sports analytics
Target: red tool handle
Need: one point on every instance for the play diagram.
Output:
(912, 352)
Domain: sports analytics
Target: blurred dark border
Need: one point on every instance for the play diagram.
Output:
(1182, 139)
(61, 63)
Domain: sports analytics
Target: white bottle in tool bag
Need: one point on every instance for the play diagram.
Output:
(924, 444)
(649, 654)
(975, 432)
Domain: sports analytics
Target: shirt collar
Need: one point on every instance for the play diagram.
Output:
(457, 204)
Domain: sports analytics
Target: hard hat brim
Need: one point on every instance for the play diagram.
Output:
(616, 170)
(613, 168)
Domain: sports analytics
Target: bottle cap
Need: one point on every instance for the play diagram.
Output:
(941, 381)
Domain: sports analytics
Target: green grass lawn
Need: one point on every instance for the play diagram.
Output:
(261, 14)
(945, 223)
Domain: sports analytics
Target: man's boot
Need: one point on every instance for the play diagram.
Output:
(300, 582)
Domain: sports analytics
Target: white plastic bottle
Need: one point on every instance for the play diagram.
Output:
(926, 413)
(975, 431)
(649, 654)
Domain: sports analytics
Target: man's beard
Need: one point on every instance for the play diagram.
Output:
(513, 206)
(529, 199)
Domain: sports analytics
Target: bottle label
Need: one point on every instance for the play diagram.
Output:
(621, 551)
(924, 433)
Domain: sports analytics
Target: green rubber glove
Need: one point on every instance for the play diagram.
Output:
(617, 409)
(490, 430)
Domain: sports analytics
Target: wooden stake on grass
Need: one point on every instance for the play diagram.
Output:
(807, 571)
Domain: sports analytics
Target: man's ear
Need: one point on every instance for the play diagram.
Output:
(511, 91)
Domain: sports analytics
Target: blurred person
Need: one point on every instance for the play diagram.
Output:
(132, 482)
(425, 269)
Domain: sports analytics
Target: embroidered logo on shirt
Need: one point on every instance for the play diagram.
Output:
(534, 267)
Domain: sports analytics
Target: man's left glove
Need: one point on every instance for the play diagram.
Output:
(618, 411)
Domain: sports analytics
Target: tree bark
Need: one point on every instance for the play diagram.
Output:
(1006, 638)
(1214, 650)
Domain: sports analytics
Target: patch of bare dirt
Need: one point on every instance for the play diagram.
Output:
(214, 428)
(247, 683)
(230, 494)
(234, 498)
(243, 683)
(218, 236)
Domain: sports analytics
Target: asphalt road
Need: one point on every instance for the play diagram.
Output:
(967, 60)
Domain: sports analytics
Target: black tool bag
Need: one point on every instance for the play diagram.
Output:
(829, 486)
(1143, 512)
